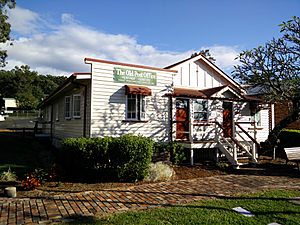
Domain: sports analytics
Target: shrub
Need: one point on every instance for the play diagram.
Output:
(99, 148)
(174, 150)
(177, 154)
(40, 174)
(288, 138)
(8, 176)
(131, 156)
(160, 171)
(31, 182)
(35, 179)
(123, 158)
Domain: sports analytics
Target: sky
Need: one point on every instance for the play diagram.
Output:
(54, 36)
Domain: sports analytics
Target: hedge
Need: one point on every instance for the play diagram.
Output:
(288, 138)
(125, 158)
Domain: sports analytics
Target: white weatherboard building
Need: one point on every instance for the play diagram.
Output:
(192, 102)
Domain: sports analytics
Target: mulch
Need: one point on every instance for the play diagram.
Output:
(49, 189)
(265, 167)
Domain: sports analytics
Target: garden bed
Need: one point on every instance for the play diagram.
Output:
(49, 189)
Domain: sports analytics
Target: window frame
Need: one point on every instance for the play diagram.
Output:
(256, 118)
(69, 108)
(203, 111)
(140, 107)
(48, 113)
(57, 112)
(73, 106)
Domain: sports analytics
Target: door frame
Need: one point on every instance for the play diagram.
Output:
(185, 124)
(229, 107)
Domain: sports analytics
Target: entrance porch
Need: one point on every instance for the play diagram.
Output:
(223, 120)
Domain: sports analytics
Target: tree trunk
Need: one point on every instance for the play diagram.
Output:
(292, 117)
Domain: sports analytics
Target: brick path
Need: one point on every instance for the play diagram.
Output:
(93, 203)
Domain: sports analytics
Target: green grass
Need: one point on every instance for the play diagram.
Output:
(268, 207)
(21, 154)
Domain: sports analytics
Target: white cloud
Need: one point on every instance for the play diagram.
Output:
(60, 49)
(23, 21)
(224, 56)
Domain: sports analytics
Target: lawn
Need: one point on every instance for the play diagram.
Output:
(268, 207)
(22, 154)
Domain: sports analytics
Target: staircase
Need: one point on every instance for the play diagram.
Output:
(237, 149)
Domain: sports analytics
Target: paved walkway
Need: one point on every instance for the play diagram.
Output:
(93, 203)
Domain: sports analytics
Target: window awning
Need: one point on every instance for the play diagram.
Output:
(137, 90)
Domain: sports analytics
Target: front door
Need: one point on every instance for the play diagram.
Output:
(227, 119)
(182, 119)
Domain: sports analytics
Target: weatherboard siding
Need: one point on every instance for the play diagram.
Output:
(72, 127)
(197, 75)
(108, 106)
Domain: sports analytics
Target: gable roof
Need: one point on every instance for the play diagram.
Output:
(201, 57)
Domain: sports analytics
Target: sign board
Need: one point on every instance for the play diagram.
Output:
(123, 75)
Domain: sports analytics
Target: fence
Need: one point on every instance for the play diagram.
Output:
(23, 113)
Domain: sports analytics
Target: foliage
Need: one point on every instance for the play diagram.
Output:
(175, 150)
(275, 66)
(27, 86)
(222, 165)
(287, 138)
(8, 175)
(275, 69)
(123, 158)
(268, 207)
(31, 182)
(131, 156)
(35, 179)
(40, 174)
(160, 171)
(177, 154)
(4, 27)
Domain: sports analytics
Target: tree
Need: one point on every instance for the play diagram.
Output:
(274, 68)
(27, 86)
(4, 27)
(206, 54)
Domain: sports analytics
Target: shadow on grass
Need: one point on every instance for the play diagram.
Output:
(22, 154)
(77, 219)
(221, 209)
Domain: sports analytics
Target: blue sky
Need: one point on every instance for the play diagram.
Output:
(53, 36)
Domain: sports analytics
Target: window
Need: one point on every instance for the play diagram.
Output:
(76, 106)
(56, 112)
(201, 110)
(67, 107)
(49, 113)
(257, 118)
(136, 107)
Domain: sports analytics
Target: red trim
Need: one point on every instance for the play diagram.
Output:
(78, 73)
(128, 64)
